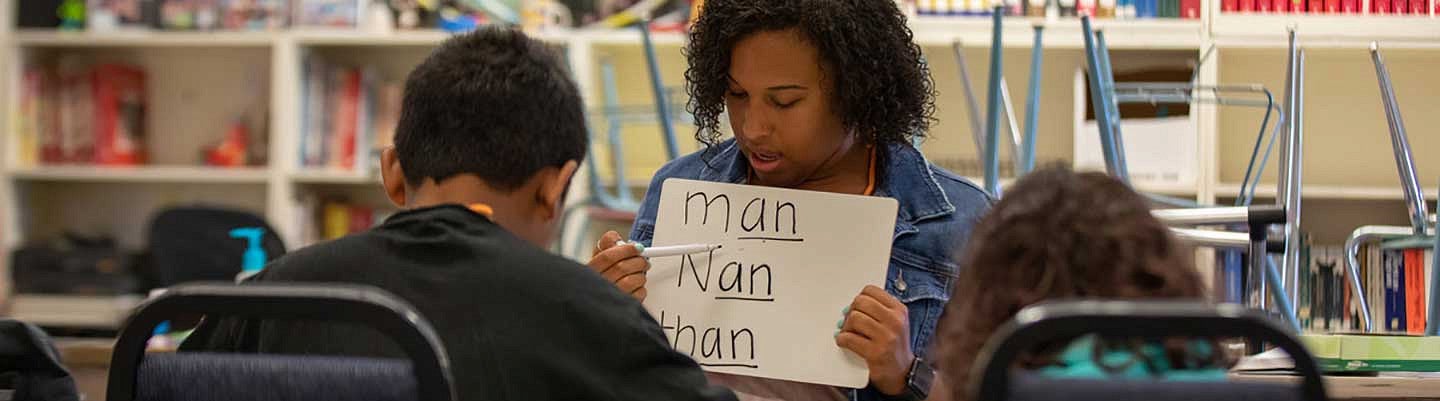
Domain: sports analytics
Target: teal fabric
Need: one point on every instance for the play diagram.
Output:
(1077, 361)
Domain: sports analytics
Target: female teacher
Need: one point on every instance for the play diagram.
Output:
(825, 95)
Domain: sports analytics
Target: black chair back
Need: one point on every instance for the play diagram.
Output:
(199, 376)
(1050, 322)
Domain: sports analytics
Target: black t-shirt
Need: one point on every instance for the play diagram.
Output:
(518, 322)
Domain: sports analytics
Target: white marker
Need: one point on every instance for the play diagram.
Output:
(677, 250)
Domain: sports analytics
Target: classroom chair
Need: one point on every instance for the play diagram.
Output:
(200, 376)
(193, 243)
(30, 368)
(996, 379)
(1264, 282)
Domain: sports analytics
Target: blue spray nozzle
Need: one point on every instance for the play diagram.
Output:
(254, 257)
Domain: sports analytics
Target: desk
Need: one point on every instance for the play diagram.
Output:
(1364, 388)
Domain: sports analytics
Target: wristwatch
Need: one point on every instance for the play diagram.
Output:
(917, 383)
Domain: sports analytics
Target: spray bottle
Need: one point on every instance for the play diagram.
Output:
(254, 258)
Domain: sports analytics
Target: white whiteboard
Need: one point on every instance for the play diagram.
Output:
(767, 303)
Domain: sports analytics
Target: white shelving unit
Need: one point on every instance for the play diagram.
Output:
(1248, 48)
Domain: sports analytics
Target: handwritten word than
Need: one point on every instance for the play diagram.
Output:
(710, 343)
(734, 277)
(752, 217)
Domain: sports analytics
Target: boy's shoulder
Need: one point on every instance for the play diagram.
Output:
(496, 260)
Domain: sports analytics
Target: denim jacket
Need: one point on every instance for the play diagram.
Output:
(937, 211)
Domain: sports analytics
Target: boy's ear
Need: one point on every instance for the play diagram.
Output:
(392, 177)
(552, 190)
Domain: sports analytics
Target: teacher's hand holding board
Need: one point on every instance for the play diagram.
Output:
(776, 296)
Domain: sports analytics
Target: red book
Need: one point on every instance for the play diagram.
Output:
(1247, 6)
(1417, 7)
(345, 120)
(1264, 6)
(1315, 6)
(1380, 6)
(1296, 7)
(119, 111)
(1229, 6)
(1190, 9)
(1280, 6)
(1350, 6)
(1415, 291)
(1332, 6)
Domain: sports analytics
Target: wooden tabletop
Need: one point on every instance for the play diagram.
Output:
(1363, 387)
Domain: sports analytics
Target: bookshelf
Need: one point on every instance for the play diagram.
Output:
(1347, 150)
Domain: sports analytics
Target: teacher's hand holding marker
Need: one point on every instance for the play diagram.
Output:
(824, 96)
(621, 263)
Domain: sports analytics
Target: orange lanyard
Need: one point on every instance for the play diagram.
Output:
(482, 209)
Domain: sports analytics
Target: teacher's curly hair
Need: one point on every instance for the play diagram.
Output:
(880, 82)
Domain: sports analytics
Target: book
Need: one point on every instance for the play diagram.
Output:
(1305, 277)
(314, 93)
(1067, 7)
(76, 136)
(336, 220)
(1280, 6)
(111, 15)
(1427, 274)
(1376, 286)
(1418, 7)
(1374, 353)
(1247, 6)
(1414, 291)
(1394, 312)
(253, 15)
(119, 114)
(327, 13)
(34, 118)
(1035, 8)
(1229, 6)
(1264, 6)
(338, 217)
(388, 97)
(1105, 9)
(1342, 281)
(1350, 6)
(1190, 9)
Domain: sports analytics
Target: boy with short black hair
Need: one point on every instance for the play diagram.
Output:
(490, 133)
